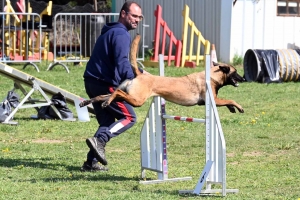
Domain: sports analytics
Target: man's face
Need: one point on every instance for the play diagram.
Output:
(132, 17)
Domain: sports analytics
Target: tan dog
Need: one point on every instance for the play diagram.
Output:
(188, 90)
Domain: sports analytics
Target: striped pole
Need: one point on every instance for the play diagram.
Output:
(186, 119)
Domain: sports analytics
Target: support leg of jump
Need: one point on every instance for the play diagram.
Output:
(154, 142)
(215, 147)
(154, 147)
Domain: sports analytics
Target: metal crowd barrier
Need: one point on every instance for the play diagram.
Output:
(75, 35)
(21, 37)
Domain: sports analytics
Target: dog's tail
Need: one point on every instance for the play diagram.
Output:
(133, 53)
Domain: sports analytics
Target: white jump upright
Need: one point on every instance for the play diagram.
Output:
(154, 141)
(154, 148)
(214, 171)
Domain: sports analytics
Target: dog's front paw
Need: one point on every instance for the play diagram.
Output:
(231, 109)
(241, 110)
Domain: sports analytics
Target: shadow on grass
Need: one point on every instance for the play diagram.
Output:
(101, 176)
(34, 115)
(201, 195)
(176, 193)
(74, 171)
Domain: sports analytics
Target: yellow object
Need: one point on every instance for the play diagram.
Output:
(194, 31)
(10, 36)
(46, 11)
(43, 38)
(9, 9)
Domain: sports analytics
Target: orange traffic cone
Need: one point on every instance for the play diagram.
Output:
(213, 55)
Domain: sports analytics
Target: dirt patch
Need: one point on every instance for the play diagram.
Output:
(116, 150)
(279, 153)
(253, 153)
(230, 154)
(47, 141)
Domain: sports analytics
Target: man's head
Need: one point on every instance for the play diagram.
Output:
(131, 15)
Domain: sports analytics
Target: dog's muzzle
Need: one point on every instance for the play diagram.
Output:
(235, 83)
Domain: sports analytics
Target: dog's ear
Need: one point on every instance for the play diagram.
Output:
(225, 69)
(215, 64)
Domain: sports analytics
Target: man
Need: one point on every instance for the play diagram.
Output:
(107, 68)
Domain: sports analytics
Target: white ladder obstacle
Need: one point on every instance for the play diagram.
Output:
(153, 143)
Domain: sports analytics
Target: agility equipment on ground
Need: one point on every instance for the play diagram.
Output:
(20, 78)
(154, 149)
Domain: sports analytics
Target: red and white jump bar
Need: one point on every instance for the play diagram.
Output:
(187, 119)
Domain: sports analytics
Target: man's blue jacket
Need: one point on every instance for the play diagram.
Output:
(109, 62)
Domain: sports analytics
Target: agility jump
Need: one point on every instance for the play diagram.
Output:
(154, 150)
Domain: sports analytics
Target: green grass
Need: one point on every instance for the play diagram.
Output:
(237, 59)
(40, 159)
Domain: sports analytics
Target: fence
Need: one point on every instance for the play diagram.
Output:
(75, 35)
(28, 38)
(21, 36)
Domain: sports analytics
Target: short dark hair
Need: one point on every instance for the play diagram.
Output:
(127, 4)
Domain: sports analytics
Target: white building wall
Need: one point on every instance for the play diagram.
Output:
(255, 25)
(225, 30)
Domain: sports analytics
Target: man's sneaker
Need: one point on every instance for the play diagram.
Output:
(98, 148)
(92, 167)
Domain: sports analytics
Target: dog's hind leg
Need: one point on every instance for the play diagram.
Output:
(119, 95)
(99, 98)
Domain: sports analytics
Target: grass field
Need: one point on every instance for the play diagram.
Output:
(40, 159)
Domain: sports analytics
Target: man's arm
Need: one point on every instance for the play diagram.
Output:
(121, 45)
